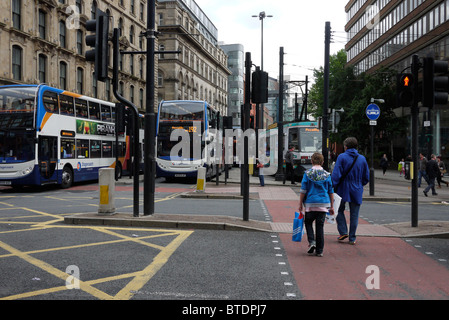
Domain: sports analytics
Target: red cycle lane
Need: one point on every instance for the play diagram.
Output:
(352, 272)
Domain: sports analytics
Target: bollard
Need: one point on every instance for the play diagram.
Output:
(106, 180)
(201, 179)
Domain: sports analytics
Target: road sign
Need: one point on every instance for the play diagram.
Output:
(373, 111)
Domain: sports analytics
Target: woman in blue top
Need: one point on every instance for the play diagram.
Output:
(316, 197)
(348, 183)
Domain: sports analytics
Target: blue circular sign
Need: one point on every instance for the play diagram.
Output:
(373, 111)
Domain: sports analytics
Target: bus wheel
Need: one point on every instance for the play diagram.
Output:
(118, 171)
(67, 178)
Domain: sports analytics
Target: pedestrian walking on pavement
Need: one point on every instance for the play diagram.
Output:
(350, 174)
(442, 167)
(289, 164)
(384, 163)
(261, 177)
(401, 167)
(422, 169)
(432, 171)
(316, 198)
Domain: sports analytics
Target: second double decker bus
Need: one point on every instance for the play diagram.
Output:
(184, 114)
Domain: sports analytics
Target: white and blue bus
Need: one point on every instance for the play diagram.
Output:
(195, 118)
(52, 136)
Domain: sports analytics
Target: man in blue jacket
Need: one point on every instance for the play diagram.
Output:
(350, 174)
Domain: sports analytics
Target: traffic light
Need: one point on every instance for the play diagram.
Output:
(99, 42)
(435, 88)
(405, 87)
(259, 88)
(121, 118)
(227, 122)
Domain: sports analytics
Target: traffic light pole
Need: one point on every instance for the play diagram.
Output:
(150, 117)
(415, 160)
(325, 142)
(280, 171)
(133, 108)
(246, 109)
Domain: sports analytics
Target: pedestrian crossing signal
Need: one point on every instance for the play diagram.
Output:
(406, 81)
(405, 89)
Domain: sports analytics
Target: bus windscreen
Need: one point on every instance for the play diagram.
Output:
(17, 99)
(182, 111)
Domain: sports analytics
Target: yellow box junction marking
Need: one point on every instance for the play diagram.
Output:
(137, 279)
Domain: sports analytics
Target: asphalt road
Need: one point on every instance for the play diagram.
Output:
(39, 253)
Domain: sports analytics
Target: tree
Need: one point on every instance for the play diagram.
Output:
(353, 93)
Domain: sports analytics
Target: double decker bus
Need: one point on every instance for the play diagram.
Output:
(52, 136)
(194, 117)
(304, 137)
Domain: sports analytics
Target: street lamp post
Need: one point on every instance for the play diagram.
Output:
(259, 110)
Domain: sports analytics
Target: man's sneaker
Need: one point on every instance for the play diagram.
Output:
(311, 249)
(342, 237)
(352, 242)
(425, 193)
(319, 254)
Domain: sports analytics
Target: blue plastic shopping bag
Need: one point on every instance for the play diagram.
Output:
(298, 227)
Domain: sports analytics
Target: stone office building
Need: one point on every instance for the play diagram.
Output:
(199, 71)
(43, 41)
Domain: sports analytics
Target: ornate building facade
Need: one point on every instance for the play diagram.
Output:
(43, 41)
(199, 71)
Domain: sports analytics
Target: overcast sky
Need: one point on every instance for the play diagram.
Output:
(296, 25)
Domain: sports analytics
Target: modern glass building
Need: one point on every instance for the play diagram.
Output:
(388, 33)
(236, 63)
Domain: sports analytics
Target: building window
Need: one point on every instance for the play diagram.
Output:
(120, 88)
(140, 42)
(79, 41)
(161, 19)
(141, 68)
(133, 6)
(16, 14)
(131, 35)
(94, 85)
(160, 79)
(42, 68)
(131, 65)
(62, 34)
(93, 10)
(80, 80)
(131, 93)
(141, 98)
(79, 6)
(142, 10)
(107, 86)
(161, 48)
(63, 75)
(17, 62)
(120, 27)
(42, 24)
